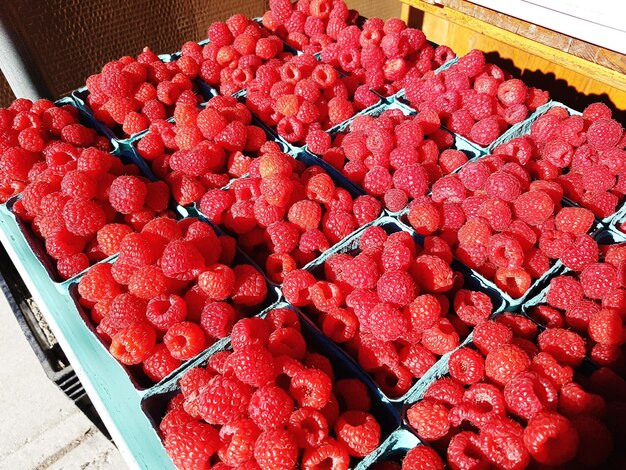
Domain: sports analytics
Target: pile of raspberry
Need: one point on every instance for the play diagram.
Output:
(474, 99)
(504, 225)
(394, 307)
(286, 215)
(170, 294)
(35, 139)
(130, 94)
(309, 25)
(515, 399)
(301, 98)
(421, 457)
(84, 203)
(383, 54)
(204, 147)
(236, 48)
(393, 157)
(583, 153)
(269, 404)
(591, 304)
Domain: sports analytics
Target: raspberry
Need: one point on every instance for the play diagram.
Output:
(464, 451)
(296, 287)
(182, 260)
(606, 327)
(429, 419)
(551, 439)
(466, 366)
(582, 253)
(441, 338)
(216, 318)
(185, 340)
(505, 251)
(566, 346)
(385, 322)
(70, 266)
(485, 131)
(432, 273)
(420, 457)
(147, 282)
(505, 363)
(238, 439)
(424, 218)
(604, 133)
(110, 237)
(598, 280)
(166, 311)
(223, 400)
(125, 310)
(270, 407)
(160, 363)
(276, 449)
(98, 284)
(330, 452)
(574, 401)
(529, 393)
(533, 207)
(192, 444)
(574, 220)
(501, 442)
(311, 388)
(358, 431)
(396, 287)
(127, 194)
(564, 291)
(83, 217)
(133, 344)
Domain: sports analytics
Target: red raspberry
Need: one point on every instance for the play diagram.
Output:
(529, 393)
(564, 292)
(575, 401)
(83, 217)
(238, 439)
(358, 431)
(296, 287)
(125, 310)
(598, 280)
(98, 284)
(192, 444)
(270, 407)
(133, 344)
(185, 340)
(166, 311)
(396, 287)
(250, 286)
(72, 265)
(216, 318)
(574, 220)
(566, 346)
(429, 419)
(160, 364)
(224, 400)
(466, 365)
(505, 363)
(424, 218)
(604, 133)
(311, 388)
(501, 442)
(127, 194)
(464, 451)
(582, 253)
(512, 92)
(534, 207)
(147, 282)
(441, 338)
(432, 273)
(551, 439)
(420, 458)
(485, 131)
(182, 260)
(110, 237)
(329, 451)
(276, 449)
(606, 327)
(505, 251)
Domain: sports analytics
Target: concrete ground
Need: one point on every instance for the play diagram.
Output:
(40, 427)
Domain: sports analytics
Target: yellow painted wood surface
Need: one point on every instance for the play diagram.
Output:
(569, 79)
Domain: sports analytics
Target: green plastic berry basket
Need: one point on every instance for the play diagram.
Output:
(154, 402)
(391, 225)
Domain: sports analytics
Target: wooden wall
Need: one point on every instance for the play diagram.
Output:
(564, 83)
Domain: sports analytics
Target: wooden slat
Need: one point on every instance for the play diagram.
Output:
(590, 69)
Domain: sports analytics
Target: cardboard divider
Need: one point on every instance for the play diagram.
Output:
(154, 403)
(393, 449)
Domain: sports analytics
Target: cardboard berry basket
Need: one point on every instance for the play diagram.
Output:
(154, 402)
(80, 95)
(523, 128)
(108, 385)
(393, 449)
(392, 225)
(137, 376)
(36, 243)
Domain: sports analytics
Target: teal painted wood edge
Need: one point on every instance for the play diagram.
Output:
(117, 401)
